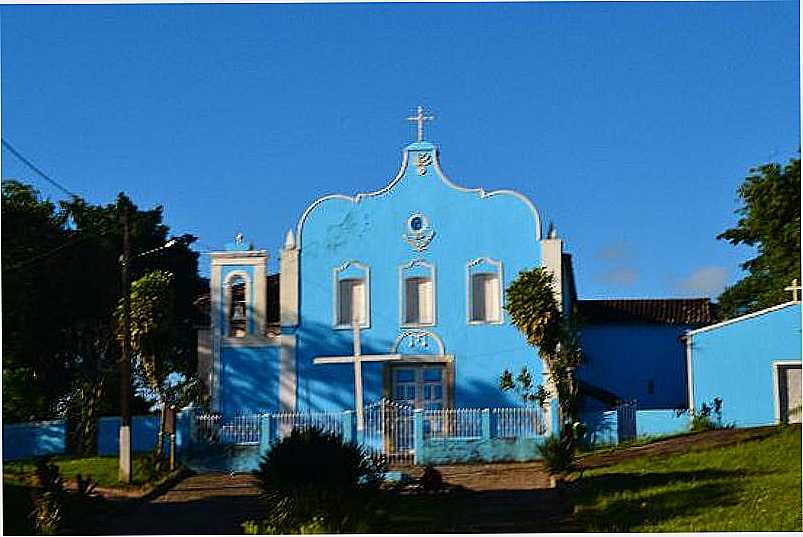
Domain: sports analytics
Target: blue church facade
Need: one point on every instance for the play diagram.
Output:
(421, 265)
(412, 278)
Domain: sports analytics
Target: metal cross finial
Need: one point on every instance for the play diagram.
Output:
(795, 288)
(420, 118)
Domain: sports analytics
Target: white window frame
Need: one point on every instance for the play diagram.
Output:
(470, 291)
(403, 293)
(336, 278)
(227, 286)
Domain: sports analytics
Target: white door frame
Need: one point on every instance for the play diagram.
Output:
(776, 384)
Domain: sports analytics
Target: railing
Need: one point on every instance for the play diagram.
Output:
(453, 423)
(284, 422)
(519, 422)
(240, 429)
(388, 431)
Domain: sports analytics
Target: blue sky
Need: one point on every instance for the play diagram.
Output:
(629, 125)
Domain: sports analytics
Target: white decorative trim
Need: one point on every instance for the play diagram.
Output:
(288, 376)
(250, 257)
(250, 305)
(470, 292)
(776, 384)
(336, 296)
(423, 359)
(403, 294)
(418, 334)
(690, 372)
(742, 318)
(405, 160)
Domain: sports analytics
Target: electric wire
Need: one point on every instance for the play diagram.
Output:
(36, 169)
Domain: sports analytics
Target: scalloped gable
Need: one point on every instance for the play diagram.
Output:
(426, 156)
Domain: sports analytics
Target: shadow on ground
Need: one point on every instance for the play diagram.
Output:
(676, 494)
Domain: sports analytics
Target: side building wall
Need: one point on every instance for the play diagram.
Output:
(734, 362)
(645, 362)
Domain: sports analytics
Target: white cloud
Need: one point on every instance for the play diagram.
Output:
(705, 281)
(621, 276)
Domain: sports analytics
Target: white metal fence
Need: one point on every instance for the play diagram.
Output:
(219, 429)
(453, 423)
(389, 431)
(525, 422)
(283, 423)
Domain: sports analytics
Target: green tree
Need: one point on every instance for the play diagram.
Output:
(534, 310)
(769, 221)
(61, 285)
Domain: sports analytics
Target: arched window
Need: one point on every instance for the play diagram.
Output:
(238, 307)
(484, 291)
(417, 289)
(352, 295)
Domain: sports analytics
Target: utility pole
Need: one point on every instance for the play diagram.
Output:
(125, 359)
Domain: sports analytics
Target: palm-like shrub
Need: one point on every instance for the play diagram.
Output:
(313, 478)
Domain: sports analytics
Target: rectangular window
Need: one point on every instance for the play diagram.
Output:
(418, 301)
(421, 387)
(485, 303)
(351, 301)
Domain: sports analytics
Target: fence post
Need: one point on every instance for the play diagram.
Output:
(554, 417)
(348, 426)
(486, 424)
(184, 429)
(264, 434)
(419, 457)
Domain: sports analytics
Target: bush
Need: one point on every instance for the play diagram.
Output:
(558, 454)
(314, 482)
(49, 499)
(54, 507)
(702, 419)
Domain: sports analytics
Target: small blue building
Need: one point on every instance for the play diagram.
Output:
(752, 363)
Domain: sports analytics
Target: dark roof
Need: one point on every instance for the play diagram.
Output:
(689, 311)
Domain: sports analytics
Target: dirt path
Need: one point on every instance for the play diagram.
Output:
(200, 504)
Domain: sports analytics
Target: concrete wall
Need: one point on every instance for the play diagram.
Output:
(144, 434)
(733, 361)
(625, 358)
(26, 440)
(602, 425)
(468, 224)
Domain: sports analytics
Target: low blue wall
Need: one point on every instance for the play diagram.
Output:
(460, 450)
(660, 423)
(26, 440)
(144, 434)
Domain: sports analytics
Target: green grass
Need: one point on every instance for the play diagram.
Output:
(102, 469)
(751, 486)
(17, 487)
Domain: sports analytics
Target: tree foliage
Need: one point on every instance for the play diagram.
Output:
(769, 220)
(61, 285)
(534, 310)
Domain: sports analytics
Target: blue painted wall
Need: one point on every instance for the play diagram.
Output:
(734, 362)
(249, 380)
(26, 440)
(624, 358)
(467, 226)
(144, 434)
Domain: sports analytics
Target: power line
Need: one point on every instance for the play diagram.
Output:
(32, 166)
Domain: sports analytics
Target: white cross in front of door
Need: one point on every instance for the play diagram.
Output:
(357, 359)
